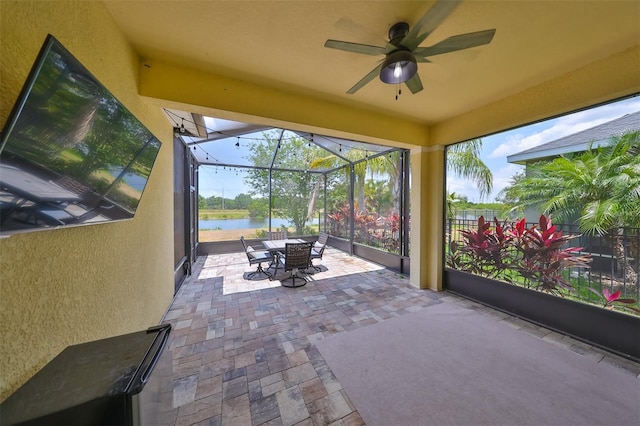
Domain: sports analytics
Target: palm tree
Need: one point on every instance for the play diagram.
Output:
(359, 169)
(451, 200)
(464, 159)
(388, 165)
(598, 188)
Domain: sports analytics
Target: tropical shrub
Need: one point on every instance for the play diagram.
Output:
(484, 251)
(541, 258)
(532, 257)
(370, 228)
(339, 221)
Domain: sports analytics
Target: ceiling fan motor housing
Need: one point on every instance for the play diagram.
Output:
(397, 32)
(400, 64)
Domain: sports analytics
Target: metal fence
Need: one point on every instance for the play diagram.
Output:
(471, 214)
(615, 260)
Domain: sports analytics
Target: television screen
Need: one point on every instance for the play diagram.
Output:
(71, 154)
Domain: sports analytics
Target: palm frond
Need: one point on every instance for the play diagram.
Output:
(464, 159)
(600, 186)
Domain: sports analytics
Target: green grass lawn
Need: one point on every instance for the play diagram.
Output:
(222, 214)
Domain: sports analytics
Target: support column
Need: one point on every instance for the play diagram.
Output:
(427, 213)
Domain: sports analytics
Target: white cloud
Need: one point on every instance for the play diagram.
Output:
(463, 187)
(502, 178)
(564, 126)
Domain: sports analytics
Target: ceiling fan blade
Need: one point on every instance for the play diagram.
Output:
(457, 42)
(428, 22)
(421, 59)
(414, 84)
(364, 49)
(366, 79)
(361, 32)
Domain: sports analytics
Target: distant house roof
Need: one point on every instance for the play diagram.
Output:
(580, 141)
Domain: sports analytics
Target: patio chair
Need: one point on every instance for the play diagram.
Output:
(318, 249)
(296, 257)
(256, 256)
(277, 235)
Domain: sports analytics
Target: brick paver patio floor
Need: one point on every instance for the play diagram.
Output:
(244, 350)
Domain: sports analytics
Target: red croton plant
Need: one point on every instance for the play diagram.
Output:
(484, 251)
(611, 300)
(542, 257)
(534, 257)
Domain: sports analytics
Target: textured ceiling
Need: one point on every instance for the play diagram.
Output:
(280, 44)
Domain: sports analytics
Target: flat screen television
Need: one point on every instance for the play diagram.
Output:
(70, 153)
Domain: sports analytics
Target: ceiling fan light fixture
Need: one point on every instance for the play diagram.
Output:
(398, 67)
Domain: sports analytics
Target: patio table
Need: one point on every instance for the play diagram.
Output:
(277, 247)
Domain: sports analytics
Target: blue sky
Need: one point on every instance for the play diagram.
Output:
(227, 182)
(497, 147)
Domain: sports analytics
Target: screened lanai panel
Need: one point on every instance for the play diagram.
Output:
(255, 179)
(251, 150)
(214, 152)
(338, 214)
(227, 208)
(297, 153)
(378, 197)
(280, 149)
(346, 150)
(293, 199)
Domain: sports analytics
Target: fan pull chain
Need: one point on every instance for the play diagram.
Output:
(398, 90)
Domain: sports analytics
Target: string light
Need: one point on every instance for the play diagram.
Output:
(217, 132)
(182, 129)
(237, 144)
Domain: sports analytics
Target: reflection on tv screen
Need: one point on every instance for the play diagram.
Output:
(71, 153)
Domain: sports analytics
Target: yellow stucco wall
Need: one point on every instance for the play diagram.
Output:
(427, 195)
(63, 287)
(221, 96)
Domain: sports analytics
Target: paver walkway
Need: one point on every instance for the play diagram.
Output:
(244, 353)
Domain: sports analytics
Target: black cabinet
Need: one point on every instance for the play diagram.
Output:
(122, 380)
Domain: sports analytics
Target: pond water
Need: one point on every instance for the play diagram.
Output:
(246, 223)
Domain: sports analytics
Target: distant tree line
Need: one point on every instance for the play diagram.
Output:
(257, 207)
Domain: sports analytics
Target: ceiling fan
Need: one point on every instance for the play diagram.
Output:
(402, 51)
